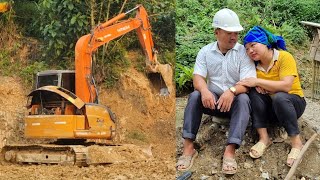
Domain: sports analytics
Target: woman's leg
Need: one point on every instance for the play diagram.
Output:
(261, 110)
(288, 108)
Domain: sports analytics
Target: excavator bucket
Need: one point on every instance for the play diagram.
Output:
(161, 77)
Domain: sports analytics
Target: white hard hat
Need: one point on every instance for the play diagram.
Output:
(227, 20)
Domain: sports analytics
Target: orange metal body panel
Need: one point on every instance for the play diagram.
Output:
(97, 124)
(98, 117)
(53, 126)
(56, 120)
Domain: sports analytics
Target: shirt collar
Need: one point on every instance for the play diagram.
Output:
(216, 48)
(275, 55)
(274, 59)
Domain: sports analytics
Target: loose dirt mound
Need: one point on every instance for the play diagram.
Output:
(12, 109)
(211, 142)
(144, 118)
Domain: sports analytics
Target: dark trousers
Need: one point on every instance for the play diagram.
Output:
(280, 109)
(239, 117)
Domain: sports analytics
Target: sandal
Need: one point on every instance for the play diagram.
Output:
(259, 148)
(229, 162)
(185, 162)
(294, 153)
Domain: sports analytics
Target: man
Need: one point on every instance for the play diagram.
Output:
(219, 66)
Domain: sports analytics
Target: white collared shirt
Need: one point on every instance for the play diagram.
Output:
(223, 71)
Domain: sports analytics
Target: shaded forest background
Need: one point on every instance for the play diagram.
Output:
(282, 17)
(41, 34)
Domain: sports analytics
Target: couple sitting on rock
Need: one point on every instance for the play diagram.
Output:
(257, 80)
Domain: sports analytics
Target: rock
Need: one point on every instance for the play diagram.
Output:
(206, 119)
(206, 135)
(261, 169)
(243, 143)
(265, 175)
(214, 171)
(203, 177)
(274, 173)
(247, 165)
(221, 121)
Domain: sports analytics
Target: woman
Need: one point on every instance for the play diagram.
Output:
(277, 96)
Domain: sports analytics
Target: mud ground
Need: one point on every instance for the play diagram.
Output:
(145, 119)
(211, 141)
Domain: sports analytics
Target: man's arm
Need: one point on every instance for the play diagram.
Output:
(240, 89)
(226, 99)
(247, 69)
(207, 98)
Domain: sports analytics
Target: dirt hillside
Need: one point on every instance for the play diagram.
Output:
(145, 119)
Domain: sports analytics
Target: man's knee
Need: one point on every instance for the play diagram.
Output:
(243, 98)
(194, 96)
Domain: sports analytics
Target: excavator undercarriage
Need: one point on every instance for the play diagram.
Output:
(46, 154)
(74, 155)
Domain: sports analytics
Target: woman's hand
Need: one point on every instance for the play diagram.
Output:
(261, 90)
(248, 82)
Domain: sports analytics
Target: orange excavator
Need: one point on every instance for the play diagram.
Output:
(64, 105)
(4, 7)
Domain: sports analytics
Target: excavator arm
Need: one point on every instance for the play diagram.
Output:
(104, 33)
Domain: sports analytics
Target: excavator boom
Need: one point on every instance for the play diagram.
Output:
(106, 32)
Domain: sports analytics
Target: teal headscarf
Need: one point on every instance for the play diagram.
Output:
(260, 35)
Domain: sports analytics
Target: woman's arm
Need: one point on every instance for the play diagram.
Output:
(283, 85)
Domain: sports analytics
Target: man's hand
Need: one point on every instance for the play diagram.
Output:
(225, 101)
(208, 99)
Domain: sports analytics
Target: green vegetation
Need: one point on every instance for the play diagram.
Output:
(58, 24)
(194, 30)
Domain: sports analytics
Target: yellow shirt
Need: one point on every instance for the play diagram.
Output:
(283, 64)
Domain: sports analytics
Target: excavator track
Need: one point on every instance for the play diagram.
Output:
(45, 154)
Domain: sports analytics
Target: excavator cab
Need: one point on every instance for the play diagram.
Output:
(61, 78)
